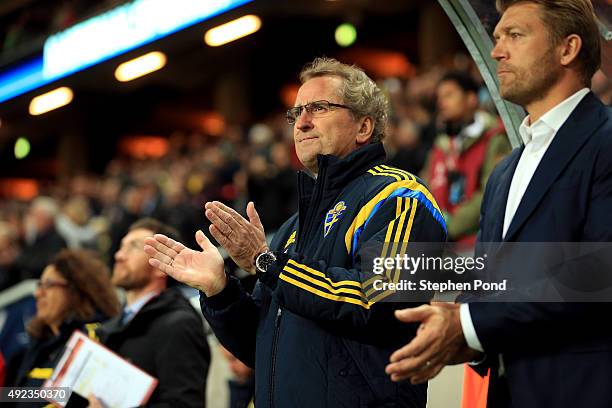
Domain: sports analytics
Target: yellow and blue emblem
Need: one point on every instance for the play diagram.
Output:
(332, 217)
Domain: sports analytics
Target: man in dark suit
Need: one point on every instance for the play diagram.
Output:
(158, 331)
(556, 188)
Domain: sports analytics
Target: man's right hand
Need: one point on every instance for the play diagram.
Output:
(243, 240)
(202, 270)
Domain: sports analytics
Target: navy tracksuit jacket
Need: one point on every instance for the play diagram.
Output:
(316, 332)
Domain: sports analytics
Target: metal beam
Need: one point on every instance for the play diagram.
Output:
(479, 45)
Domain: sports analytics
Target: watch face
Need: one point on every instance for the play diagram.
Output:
(264, 260)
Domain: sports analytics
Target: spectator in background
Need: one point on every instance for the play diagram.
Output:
(74, 226)
(271, 185)
(121, 213)
(404, 146)
(151, 199)
(283, 179)
(420, 105)
(42, 240)
(74, 293)
(158, 330)
(469, 144)
(9, 249)
(602, 87)
(178, 212)
(114, 213)
(242, 384)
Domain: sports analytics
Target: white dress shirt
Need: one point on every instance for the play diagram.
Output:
(129, 311)
(537, 137)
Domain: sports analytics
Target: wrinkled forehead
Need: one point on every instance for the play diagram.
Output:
(319, 88)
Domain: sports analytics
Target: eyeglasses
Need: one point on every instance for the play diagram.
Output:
(48, 284)
(316, 108)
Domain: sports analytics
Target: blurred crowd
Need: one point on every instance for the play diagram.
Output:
(247, 163)
(255, 163)
(94, 211)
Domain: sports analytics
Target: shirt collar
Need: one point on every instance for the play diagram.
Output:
(553, 119)
(137, 305)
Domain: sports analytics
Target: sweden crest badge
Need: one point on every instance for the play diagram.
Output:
(332, 217)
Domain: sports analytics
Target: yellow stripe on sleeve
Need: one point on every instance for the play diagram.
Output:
(324, 294)
(405, 240)
(322, 275)
(375, 173)
(405, 173)
(325, 285)
(403, 202)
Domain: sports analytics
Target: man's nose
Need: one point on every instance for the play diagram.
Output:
(304, 121)
(498, 52)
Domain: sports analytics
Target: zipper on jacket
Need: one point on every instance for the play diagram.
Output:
(279, 312)
(312, 208)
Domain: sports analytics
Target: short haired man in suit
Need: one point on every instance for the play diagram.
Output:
(556, 188)
(159, 331)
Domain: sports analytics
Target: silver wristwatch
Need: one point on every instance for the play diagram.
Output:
(264, 260)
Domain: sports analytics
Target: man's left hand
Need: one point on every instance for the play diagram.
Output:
(243, 240)
(439, 342)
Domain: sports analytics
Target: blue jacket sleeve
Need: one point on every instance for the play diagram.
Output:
(233, 315)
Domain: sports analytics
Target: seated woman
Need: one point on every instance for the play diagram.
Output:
(74, 293)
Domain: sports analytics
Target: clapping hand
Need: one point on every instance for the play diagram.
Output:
(243, 240)
(203, 270)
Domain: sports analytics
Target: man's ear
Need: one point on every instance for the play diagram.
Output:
(366, 127)
(570, 48)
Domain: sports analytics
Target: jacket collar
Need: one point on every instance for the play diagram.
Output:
(340, 171)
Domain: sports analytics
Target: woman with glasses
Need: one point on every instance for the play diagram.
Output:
(74, 293)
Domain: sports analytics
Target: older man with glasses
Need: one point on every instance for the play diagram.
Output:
(316, 332)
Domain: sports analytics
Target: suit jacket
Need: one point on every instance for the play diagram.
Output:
(554, 354)
(166, 339)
